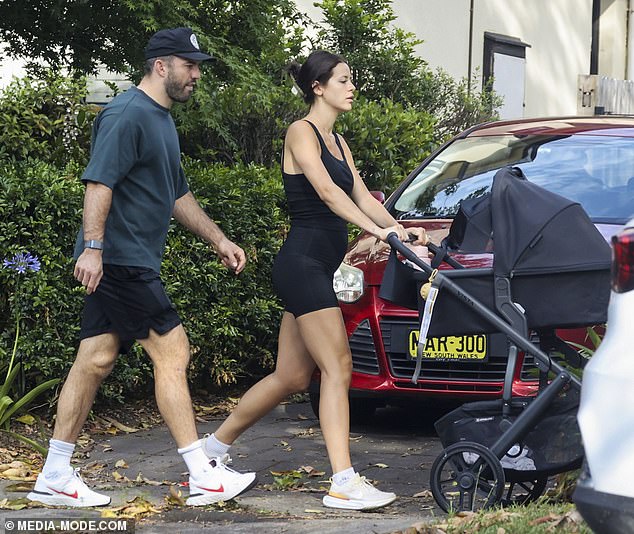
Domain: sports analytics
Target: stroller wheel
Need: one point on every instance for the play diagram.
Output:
(467, 477)
(524, 492)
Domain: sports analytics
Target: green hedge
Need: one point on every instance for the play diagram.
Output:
(45, 119)
(231, 320)
(387, 140)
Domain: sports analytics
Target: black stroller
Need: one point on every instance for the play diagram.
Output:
(551, 269)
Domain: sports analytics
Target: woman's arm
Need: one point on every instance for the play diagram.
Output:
(373, 208)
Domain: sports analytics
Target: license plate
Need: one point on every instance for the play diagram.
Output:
(451, 348)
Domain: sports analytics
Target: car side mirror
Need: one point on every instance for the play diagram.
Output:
(379, 195)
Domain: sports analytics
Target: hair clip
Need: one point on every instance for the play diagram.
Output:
(296, 89)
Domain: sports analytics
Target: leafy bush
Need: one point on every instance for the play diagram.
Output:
(387, 141)
(45, 119)
(232, 321)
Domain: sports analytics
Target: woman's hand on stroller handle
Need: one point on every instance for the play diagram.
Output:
(417, 236)
(397, 230)
(414, 236)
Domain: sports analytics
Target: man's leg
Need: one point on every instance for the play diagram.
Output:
(95, 359)
(209, 482)
(170, 356)
(59, 484)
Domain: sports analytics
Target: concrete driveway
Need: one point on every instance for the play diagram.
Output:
(287, 450)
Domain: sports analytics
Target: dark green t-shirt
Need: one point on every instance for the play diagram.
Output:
(136, 153)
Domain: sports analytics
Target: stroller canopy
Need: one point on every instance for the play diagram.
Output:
(531, 230)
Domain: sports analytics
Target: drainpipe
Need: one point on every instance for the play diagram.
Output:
(629, 43)
(471, 45)
(594, 46)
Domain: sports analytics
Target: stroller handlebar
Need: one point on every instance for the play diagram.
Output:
(399, 246)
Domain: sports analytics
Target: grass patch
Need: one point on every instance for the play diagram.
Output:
(539, 517)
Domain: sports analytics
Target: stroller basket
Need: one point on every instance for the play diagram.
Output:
(552, 446)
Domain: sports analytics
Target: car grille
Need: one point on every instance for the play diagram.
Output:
(364, 358)
(401, 366)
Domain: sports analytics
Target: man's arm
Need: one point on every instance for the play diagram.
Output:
(188, 212)
(89, 266)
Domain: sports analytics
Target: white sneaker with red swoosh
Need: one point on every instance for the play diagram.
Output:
(67, 489)
(220, 483)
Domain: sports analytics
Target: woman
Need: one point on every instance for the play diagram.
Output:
(324, 192)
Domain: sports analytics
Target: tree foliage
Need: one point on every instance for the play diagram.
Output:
(78, 34)
(384, 65)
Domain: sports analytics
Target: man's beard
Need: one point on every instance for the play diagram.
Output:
(175, 90)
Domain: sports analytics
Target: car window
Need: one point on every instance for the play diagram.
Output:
(596, 171)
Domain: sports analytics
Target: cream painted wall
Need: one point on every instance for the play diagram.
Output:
(559, 32)
(8, 69)
(612, 41)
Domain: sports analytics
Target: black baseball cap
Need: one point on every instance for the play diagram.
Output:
(179, 42)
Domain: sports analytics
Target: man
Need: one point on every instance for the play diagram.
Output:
(134, 185)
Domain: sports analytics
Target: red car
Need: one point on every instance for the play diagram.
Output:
(586, 159)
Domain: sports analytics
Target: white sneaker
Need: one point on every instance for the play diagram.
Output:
(220, 483)
(66, 489)
(357, 494)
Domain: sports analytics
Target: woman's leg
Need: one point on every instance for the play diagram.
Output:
(324, 335)
(292, 374)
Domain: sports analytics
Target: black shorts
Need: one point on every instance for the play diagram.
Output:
(304, 267)
(129, 301)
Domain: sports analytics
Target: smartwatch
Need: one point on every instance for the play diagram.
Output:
(93, 243)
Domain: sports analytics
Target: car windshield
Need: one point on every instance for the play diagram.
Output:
(595, 170)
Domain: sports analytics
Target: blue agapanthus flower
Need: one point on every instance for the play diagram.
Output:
(22, 262)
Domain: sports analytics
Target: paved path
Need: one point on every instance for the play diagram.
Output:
(396, 449)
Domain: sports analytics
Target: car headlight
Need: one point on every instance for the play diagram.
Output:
(348, 283)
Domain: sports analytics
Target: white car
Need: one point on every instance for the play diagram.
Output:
(605, 490)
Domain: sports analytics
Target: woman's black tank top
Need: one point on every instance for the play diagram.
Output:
(305, 207)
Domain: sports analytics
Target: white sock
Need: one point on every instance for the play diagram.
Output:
(196, 460)
(58, 458)
(213, 447)
(343, 476)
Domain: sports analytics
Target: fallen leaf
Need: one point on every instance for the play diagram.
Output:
(380, 466)
(27, 419)
(311, 511)
(301, 417)
(311, 471)
(18, 473)
(294, 474)
(153, 482)
(119, 477)
(544, 519)
(121, 426)
(136, 508)
(284, 443)
(20, 487)
(14, 504)
(425, 494)
(175, 497)
(121, 464)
